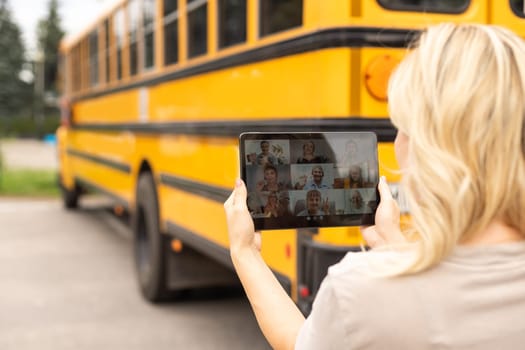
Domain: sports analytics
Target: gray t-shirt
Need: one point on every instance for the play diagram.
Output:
(475, 299)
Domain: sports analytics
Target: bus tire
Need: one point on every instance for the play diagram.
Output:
(70, 197)
(150, 246)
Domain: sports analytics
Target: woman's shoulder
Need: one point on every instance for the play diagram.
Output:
(365, 262)
(368, 270)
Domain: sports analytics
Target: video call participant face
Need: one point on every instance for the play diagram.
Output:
(355, 173)
(309, 148)
(284, 199)
(270, 174)
(313, 202)
(317, 174)
(265, 147)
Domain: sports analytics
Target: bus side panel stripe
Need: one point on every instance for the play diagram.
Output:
(125, 168)
(233, 128)
(91, 185)
(218, 194)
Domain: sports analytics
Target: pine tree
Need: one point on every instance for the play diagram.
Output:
(49, 34)
(13, 91)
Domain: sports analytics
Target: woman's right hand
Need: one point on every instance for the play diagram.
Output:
(240, 224)
(386, 229)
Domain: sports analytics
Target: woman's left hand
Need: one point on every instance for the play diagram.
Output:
(387, 228)
(240, 224)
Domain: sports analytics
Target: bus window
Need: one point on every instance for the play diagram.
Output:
(133, 24)
(518, 6)
(197, 27)
(93, 58)
(149, 28)
(445, 6)
(232, 22)
(279, 15)
(76, 68)
(118, 26)
(171, 32)
(106, 49)
(84, 62)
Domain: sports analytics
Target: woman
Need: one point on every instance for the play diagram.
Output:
(355, 177)
(458, 101)
(309, 155)
(271, 180)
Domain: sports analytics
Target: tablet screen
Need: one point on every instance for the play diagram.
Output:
(320, 179)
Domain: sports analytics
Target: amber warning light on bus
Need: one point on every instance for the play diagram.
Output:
(377, 74)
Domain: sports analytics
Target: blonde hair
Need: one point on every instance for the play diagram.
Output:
(459, 96)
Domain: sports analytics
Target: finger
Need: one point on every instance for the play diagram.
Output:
(384, 189)
(239, 193)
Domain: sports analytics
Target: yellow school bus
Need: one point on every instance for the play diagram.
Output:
(156, 93)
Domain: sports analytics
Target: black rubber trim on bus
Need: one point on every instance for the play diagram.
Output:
(214, 250)
(218, 194)
(324, 39)
(125, 168)
(384, 129)
(97, 188)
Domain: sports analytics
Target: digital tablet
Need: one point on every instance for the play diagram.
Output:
(317, 179)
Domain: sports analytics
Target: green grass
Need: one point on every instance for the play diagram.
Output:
(25, 182)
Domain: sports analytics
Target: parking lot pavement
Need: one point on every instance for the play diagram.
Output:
(68, 283)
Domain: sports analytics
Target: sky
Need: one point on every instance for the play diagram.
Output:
(75, 15)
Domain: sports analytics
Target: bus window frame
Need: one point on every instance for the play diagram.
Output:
(408, 8)
(516, 11)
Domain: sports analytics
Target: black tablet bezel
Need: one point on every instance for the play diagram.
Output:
(293, 221)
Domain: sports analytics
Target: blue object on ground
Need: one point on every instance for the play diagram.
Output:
(50, 138)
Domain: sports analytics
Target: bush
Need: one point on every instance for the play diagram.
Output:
(26, 126)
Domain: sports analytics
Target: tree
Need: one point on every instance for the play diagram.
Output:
(13, 91)
(49, 34)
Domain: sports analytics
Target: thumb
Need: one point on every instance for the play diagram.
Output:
(239, 193)
(384, 190)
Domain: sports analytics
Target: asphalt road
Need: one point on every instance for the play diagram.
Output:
(67, 282)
